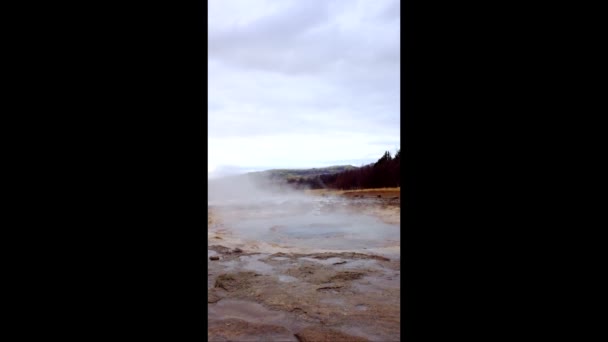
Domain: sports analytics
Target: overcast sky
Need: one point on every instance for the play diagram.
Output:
(302, 83)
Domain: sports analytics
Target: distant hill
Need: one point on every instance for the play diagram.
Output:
(386, 172)
(299, 178)
(383, 173)
(293, 178)
(295, 174)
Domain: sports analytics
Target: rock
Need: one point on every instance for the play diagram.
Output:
(313, 334)
(346, 276)
(234, 281)
(238, 330)
(213, 297)
(343, 255)
(215, 257)
(237, 250)
(220, 249)
(329, 288)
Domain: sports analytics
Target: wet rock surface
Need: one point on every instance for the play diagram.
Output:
(240, 330)
(266, 292)
(323, 334)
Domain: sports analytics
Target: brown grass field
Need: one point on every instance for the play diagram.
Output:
(383, 192)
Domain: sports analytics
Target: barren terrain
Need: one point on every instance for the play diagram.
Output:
(319, 266)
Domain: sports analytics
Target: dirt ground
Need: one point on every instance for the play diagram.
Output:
(265, 291)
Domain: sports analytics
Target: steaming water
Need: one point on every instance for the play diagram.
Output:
(307, 223)
(319, 231)
(256, 212)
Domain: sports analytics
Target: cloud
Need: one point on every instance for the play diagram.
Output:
(319, 77)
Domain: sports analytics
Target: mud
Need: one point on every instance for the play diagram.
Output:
(269, 286)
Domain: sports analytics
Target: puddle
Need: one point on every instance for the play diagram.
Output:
(280, 258)
(252, 263)
(333, 301)
(329, 231)
(247, 263)
(287, 279)
(330, 261)
(358, 264)
(361, 307)
(229, 266)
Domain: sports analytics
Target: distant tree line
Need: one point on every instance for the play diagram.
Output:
(383, 173)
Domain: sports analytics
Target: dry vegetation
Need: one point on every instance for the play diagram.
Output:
(384, 203)
(383, 192)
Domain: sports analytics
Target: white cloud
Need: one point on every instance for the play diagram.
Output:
(302, 83)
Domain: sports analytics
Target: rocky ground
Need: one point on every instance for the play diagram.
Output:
(267, 291)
